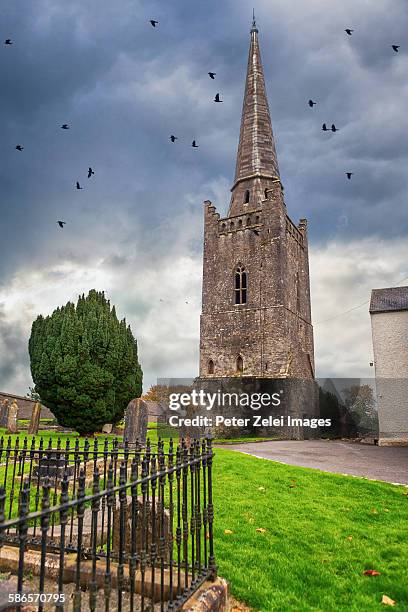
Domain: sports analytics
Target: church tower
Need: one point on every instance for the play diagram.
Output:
(256, 316)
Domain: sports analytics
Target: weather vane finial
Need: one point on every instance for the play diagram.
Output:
(254, 29)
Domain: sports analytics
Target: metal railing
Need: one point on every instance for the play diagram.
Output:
(132, 527)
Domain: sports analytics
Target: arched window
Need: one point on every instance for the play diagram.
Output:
(241, 285)
(240, 364)
(246, 200)
(210, 367)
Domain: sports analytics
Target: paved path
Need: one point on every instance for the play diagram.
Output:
(376, 462)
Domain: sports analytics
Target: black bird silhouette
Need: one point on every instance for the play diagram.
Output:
(212, 75)
(324, 127)
(349, 31)
(78, 186)
(396, 48)
(333, 128)
(193, 144)
(173, 138)
(349, 175)
(154, 22)
(217, 98)
(8, 41)
(19, 148)
(90, 172)
(61, 224)
(311, 103)
(65, 126)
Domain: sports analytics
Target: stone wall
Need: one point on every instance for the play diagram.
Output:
(272, 331)
(390, 342)
(25, 406)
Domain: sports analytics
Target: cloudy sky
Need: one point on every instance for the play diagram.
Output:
(135, 230)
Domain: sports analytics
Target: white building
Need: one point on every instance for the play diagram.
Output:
(389, 325)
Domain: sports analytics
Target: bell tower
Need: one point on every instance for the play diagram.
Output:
(256, 315)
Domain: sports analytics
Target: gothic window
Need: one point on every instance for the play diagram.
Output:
(210, 367)
(241, 285)
(246, 200)
(240, 364)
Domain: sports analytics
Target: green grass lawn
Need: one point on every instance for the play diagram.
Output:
(322, 532)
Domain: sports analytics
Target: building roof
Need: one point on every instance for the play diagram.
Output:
(392, 299)
(256, 149)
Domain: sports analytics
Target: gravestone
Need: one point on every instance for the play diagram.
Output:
(4, 407)
(107, 428)
(162, 522)
(52, 466)
(135, 422)
(12, 418)
(35, 420)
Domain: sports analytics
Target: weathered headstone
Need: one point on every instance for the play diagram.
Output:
(12, 418)
(135, 422)
(107, 428)
(4, 407)
(35, 420)
(52, 466)
(152, 532)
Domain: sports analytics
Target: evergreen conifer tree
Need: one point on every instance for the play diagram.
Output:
(84, 363)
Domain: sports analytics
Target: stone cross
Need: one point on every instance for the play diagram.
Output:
(12, 418)
(135, 422)
(35, 420)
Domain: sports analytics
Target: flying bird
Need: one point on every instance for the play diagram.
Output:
(212, 75)
(349, 175)
(217, 98)
(8, 41)
(311, 103)
(333, 128)
(90, 172)
(324, 127)
(61, 224)
(153, 22)
(65, 126)
(396, 48)
(19, 148)
(173, 138)
(193, 144)
(349, 31)
(78, 186)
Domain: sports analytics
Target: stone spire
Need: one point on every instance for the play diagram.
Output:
(257, 164)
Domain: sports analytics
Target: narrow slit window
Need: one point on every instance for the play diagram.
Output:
(240, 364)
(211, 367)
(241, 285)
(297, 293)
(246, 200)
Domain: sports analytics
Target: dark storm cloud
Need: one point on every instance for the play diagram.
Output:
(124, 87)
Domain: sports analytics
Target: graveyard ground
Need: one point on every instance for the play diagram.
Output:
(292, 538)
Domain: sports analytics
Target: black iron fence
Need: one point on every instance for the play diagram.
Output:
(105, 525)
